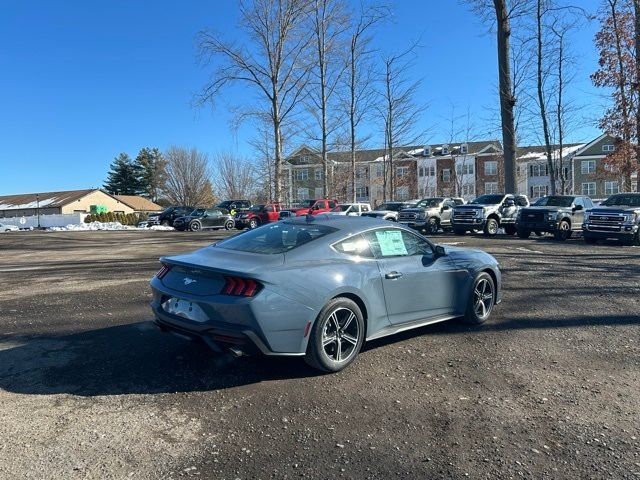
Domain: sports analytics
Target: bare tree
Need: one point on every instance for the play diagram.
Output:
(399, 109)
(235, 177)
(329, 21)
(274, 65)
(360, 77)
(636, 43)
(188, 178)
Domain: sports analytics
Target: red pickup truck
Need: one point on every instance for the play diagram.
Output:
(258, 215)
(314, 207)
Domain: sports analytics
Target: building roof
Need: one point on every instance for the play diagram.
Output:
(42, 199)
(377, 154)
(538, 152)
(139, 204)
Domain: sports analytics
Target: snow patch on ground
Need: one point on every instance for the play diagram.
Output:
(93, 226)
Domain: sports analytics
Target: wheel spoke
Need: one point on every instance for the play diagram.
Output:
(348, 321)
(329, 340)
(338, 349)
(350, 338)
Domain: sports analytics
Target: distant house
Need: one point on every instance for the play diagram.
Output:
(70, 201)
(139, 204)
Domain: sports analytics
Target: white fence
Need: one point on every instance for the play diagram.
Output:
(57, 220)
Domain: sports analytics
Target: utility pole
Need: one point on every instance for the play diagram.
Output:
(38, 208)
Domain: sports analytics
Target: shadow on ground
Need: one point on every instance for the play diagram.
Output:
(137, 359)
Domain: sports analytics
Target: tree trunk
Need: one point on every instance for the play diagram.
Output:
(352, 115)
(542, 102)
(563, 176)
(277, 161)
(636, 9)
(507, 99)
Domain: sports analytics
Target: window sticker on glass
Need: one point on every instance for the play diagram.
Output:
(391, 243)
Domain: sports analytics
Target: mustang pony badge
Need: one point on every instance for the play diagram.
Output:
(188, 281)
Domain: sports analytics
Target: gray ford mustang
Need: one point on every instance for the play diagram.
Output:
(318, 287)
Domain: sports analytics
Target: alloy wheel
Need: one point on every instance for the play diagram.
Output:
(564, 230)
(340, 335)
(432, 226)
(483, 298)
(195, 226)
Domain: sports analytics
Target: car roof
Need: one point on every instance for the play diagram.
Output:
(345, 224)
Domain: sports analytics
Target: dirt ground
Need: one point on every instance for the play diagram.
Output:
(549, 388)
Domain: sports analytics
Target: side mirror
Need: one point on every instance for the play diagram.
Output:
(440, 251)
(509, 203)
(446, 207)
(577, 208)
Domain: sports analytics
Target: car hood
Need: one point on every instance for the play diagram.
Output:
(469, 257)
(475, 206)
(547, 209)
(417, 210)
(379, 212)
(614, 209)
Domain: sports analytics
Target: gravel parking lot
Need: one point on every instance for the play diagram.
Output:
(89, 388)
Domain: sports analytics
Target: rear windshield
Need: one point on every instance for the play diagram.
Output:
(276, 238)
(198, 212)
(488, 199)
(553, 201)
(623, 200)
(394, 207)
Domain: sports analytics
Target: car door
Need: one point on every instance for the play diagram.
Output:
(508, 209)
(577, 213)
(445, 212)
(213, 218)
(417, 285)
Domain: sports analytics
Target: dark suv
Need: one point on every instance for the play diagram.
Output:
(488, 213)
(617, 217)
(388, 210)
(560, 215)
(430, 214)
(202, 218)
(168, 215)
(233, 206)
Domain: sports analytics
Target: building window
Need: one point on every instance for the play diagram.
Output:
(608, 148)
(302, 174)
(402, 193)
(362, 193)
(304, 159)
(490, 168)
(490, 187)
(464, 169)
(429, 191)
(445, 150)
(538, 191)
(611, 187)
(379, 170)
(464, 148)
(468, 190)
(428, 171)
(588, 166)
(318, 174)
(610, 168)
(318, 192)
(446, 175)
(589, 188)
(303, 193)
(539, 170)
(402, 171)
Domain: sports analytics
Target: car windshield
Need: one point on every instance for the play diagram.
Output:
(394, 207)
(429, 202)
(198, 212)
(224, 204)
(307, 203)
(343, 207)
(276, 238)
(257, 208)
(488, 199)
(622, 200)
(166, 211)
(554, 201)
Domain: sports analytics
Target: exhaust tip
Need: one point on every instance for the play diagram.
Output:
(236, 352)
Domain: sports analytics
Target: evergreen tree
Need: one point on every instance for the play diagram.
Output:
(123, 177)
(151, 166)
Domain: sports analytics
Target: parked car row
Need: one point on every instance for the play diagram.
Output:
(562, 216)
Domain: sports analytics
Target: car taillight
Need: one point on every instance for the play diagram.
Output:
(163, 271)
(240, 287)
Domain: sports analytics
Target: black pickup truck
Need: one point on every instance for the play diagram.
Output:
(618, 217)
(560, 215)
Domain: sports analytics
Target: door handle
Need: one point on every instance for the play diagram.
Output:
(392, 275)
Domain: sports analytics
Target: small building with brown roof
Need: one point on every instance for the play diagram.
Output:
(51, 203)
(139, 204)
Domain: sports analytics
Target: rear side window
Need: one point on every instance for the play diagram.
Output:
(521, 201)
(276, 238)
(355, 245)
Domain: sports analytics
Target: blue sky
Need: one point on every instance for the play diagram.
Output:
(83, 81)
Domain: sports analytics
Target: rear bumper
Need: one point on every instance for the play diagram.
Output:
(267, 324)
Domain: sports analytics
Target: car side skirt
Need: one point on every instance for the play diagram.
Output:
(393, 329)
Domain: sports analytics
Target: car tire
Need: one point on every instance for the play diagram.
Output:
(254, 223)
(523, 233)
(432, 226)
(563, 231)
(538, 233)
(491, 227)
(590, 240)
(195, 226)
(510, 229)
(458, 231)
(635, 240)
(229, 224)
(165, 223)
(482, 299)
(331, 352)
